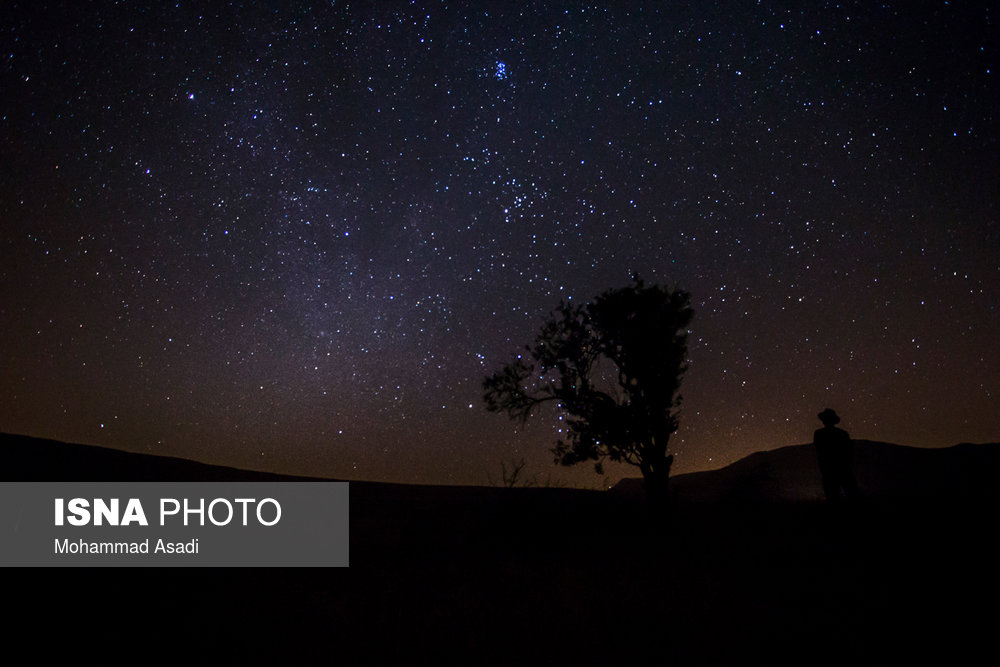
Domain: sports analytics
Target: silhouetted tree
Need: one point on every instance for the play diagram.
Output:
(613, 367)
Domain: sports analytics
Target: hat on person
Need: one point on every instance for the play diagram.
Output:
(829, 417)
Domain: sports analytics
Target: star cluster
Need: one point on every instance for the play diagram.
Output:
(296, 236)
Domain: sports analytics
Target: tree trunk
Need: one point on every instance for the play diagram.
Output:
(656, 479)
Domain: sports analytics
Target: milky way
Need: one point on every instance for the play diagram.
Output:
(296, 237)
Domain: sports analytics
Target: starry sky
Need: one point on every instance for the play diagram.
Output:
(297, 236)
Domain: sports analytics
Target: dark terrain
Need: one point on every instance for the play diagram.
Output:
(753, 569)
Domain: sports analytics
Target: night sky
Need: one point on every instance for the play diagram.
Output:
(297, 236)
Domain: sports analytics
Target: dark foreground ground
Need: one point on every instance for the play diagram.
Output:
(554, 576)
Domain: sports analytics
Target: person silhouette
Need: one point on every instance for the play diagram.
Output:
(835, 451)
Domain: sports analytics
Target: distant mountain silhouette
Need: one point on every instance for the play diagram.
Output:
(884, 470)
(788, 474)
(27, 459)
(379, 510)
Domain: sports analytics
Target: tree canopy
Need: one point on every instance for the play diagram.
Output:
(613, 367)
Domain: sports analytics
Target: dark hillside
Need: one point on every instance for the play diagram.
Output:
(495, 576)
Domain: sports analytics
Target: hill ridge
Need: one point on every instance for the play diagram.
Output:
(784, 474)
(791, 473)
